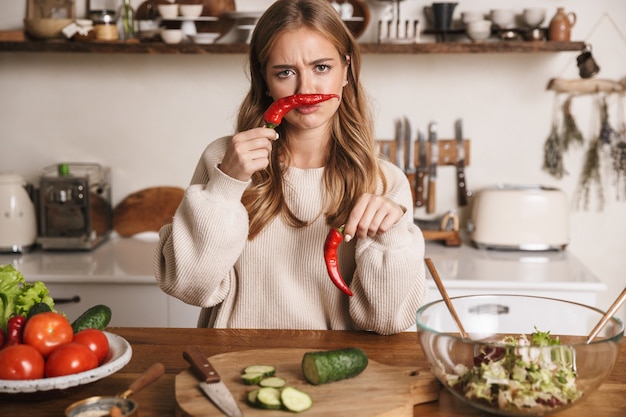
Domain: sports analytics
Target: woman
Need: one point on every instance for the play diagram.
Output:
(246, 243)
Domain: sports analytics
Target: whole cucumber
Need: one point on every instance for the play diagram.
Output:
(38, 308)
(96, 317)
(333, 365)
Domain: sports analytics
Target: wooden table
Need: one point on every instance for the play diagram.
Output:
(166, 344)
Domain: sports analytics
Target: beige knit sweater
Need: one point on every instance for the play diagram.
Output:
(279, 279)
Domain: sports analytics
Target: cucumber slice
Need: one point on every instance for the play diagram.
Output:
(269, 398)
(251, 398)
(334, 365)
(252, 378)
(273, 381)
(266, 370)
(295, 400)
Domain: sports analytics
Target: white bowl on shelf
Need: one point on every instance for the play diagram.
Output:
(168, 11)
(479, 30)
(204, 38)
(534, 16)
(471, 16)
(191, 10)
(503, 18)
(172, 36)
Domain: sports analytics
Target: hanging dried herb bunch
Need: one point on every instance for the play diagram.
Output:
(553, 147)
(591, 168)
(618, 153)
(571, 133)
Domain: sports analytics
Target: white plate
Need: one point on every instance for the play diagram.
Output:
(120, 353)
(204, 38)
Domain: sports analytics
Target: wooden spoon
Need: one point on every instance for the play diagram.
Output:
(607, 316)
(446, 299)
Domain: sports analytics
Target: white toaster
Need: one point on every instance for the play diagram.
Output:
(520, 217)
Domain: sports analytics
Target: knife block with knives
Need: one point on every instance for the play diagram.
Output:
(420, 159)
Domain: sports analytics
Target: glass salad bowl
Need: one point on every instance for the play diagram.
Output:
(523, 356)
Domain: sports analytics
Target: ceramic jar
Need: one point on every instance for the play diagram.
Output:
(561, 25)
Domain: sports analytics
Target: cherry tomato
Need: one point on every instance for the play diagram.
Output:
(21, 362)
(95, 340)
(70, 358)
(46, 331)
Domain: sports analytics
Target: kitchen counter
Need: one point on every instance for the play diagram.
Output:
(116, 261)
(465, 269)
(166, 346)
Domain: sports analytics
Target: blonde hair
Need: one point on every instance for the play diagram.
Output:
(352, 166)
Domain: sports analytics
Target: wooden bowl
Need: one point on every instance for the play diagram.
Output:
(45, 28)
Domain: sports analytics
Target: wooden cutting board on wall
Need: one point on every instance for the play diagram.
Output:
(381, 390)
(146, 210)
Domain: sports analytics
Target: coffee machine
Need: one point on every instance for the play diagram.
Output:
(75, 211)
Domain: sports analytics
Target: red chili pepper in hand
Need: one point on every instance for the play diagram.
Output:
(2, 338)
(15, 328)
(275, 113)
(334, 238)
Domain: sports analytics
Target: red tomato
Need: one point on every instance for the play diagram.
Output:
(95, 340)
(70, 358)
(21, 362)
(46, 331)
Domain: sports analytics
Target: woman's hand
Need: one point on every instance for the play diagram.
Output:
(248, 152)
(372, 215)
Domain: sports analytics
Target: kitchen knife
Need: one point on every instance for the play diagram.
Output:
(211, 384)
(422, 169)
(460, 163)
(400, 144)
(432, 172)
(409, 147)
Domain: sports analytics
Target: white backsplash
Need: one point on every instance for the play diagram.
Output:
(149, 117)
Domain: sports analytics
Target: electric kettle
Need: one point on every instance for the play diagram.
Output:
(18, 222)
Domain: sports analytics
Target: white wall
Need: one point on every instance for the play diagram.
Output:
(148, 117)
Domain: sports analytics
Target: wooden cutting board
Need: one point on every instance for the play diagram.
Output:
(381, 390)
(146, 210)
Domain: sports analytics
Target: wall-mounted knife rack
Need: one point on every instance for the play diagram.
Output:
(447, 151)
(448, 155)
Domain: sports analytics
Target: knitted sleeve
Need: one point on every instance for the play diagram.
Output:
(389, 282)
(197, 251)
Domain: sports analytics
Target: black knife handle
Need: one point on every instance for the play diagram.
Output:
(419, 189)
(461, 186)
(200, 365)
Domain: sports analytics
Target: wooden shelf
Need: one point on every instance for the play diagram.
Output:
(15, 44)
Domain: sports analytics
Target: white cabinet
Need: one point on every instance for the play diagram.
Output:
(132, 305)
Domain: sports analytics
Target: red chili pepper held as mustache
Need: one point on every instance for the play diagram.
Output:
(333, 239)
(275, 113)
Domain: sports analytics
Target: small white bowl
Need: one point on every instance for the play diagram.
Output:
(172, 36)
(204, 38)
(534, 16)
(168, 11)
(479, 30)
(503, 18)
(191, 10)
(471, 16)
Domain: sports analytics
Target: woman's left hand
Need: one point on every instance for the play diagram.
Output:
(372, 215)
